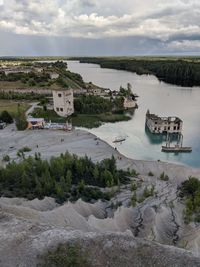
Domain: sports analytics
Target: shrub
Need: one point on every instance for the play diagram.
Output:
(6, 117)
(150, 174)
(65, 256)
(148, 192)
(133, 186)
(6, 158)
(25, 149)
(190, 191)
(133, 200)
(164, 177)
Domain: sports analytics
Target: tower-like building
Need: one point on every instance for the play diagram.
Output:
(63, 101)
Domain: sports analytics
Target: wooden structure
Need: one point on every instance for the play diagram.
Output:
(177, 148)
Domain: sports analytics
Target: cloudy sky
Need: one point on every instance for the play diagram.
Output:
(99, 27)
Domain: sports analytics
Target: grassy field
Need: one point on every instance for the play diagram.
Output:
(12, 106)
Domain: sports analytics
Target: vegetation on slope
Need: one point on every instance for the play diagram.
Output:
(65, 256)
(189, 191)
(180, 71)
(64, 177)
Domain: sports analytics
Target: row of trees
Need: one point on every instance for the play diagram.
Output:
(180, 72)
(63, 177)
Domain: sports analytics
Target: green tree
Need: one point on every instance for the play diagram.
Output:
(6, 117)
(68, 180)
(20, 119)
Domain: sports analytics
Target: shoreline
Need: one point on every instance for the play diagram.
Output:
(81, 143)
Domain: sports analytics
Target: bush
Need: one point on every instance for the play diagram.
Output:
(6, 117)
(65, 256)
(133, 186)
(25, 149)
(150, 174)
(133, 200)
(6, 158)
(164, 177)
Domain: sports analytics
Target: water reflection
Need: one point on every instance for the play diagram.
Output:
(160, 138)
(154, 138)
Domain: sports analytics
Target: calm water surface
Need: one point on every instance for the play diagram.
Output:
(160, 98)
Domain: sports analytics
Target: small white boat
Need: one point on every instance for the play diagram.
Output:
(119, 139)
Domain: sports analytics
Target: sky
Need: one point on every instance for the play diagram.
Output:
(99, 27)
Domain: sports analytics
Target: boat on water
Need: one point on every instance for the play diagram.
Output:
(177, 148)
(119, 139)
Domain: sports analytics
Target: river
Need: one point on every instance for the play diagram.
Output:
(160, 98)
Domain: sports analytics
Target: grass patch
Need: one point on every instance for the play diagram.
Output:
(12, 106)
(96, 120)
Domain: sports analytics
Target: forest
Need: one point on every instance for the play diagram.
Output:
(181, 72)
(64, 177)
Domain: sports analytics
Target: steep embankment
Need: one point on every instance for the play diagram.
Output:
(24, 242)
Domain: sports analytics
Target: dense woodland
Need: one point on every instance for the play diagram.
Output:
(64, 177)
(180, 72)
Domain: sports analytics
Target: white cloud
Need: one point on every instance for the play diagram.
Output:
(157, 19)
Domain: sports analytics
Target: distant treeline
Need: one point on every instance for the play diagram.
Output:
(180, 71)
(25, 59)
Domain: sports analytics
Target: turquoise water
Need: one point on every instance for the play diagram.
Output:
(160, 98)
